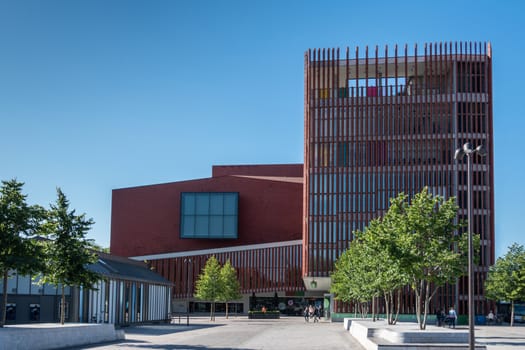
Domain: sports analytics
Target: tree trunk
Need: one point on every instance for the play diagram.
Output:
(417, 291)
(512, 313)
(374, 309)
(212, 311)
(426, 304)
(63, 306)
(226, 310)
(387, 307)
(4, 294)
(398, 306)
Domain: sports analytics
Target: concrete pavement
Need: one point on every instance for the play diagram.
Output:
(238, 332)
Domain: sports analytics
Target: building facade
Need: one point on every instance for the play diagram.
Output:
(29, 301)
(128, 292)
(250, 215)
(376, 124)
(380, 123)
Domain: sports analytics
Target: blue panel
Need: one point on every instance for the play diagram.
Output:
(212, 215)
(188, 204)
(202, 203)
(216, 206)
(202, 226)
(230, 203)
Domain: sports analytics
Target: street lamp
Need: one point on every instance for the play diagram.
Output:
(467, 150)
(188, 266)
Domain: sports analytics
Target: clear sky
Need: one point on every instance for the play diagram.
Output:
(103, 94)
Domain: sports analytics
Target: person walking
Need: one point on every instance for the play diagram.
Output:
(452, 316)
(306, 314)
(316, 314)
(440, 317)
(490, 318)
(311, 311)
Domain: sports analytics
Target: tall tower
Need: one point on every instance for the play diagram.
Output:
(377, 124)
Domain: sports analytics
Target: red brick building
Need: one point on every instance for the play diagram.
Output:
(378, 123)
(248, 214)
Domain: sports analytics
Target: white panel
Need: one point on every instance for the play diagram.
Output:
(142, 303)
(112, 301)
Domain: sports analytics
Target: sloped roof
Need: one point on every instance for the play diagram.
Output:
(123, 268)
(298, 180)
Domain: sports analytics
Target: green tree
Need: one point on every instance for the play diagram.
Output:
(368, 270)
(209, 284)
(230, 284)
(19, 223)
(414, 243)
(353, 280)
(68, 252)
(430, 252)
(389, 276)
(506, 278)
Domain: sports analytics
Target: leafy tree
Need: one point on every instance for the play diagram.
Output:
(209, 285)
(429, 250)
(506, 278)
(414, 243)
(368, 270)
(389, 277)
(68, 252)
(19, 223)
(353, 280)
(230, 284)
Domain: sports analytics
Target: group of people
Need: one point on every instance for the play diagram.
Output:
(450, 318)
(314, 312)
(446, 319)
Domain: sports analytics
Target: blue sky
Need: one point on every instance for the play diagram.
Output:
(104, 94)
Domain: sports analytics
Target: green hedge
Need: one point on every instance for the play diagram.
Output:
(431, 319)
(264, 315)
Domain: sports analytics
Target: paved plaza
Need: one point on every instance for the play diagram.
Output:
(237, 333)
(285, 333)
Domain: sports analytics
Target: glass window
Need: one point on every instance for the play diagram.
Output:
(209, 215)
(202, 203)
(216, 207)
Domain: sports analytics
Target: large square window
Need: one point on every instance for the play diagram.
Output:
(209, 215)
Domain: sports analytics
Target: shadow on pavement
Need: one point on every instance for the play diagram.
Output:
(166, 329)
(146, 345)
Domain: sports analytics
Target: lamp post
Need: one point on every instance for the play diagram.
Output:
(468, 151)
(188, 266)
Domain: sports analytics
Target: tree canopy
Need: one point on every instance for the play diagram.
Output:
(216, 283)
(68, 252)
(506, 278)
(230, 284)
(19, 223)
(415, 243)
(209, 284)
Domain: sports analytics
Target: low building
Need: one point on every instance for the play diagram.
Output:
(128, 292)
(29, 301)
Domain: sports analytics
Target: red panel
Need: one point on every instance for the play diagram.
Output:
(145, 220)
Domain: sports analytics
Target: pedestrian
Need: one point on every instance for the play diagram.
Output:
(490, 318)
(439, 317)
(452, 316)
(311, 311)
(316, 314)
(305, 312)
